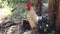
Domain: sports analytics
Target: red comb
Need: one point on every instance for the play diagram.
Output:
(29, 6)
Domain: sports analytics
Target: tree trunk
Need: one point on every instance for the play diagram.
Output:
(53, 12)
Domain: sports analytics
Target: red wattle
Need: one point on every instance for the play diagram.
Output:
(28, 8)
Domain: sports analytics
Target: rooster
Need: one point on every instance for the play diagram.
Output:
(35, 20)
(32, 16)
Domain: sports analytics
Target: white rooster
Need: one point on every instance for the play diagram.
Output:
(32, 16)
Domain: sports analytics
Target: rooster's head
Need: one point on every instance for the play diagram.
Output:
(29, 5)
